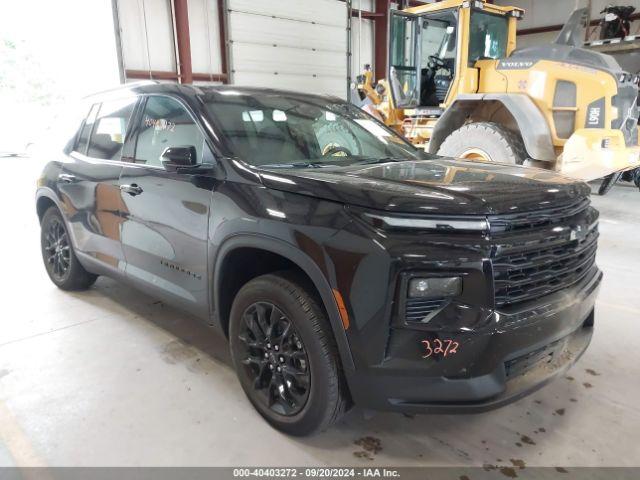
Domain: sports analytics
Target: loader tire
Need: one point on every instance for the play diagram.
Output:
(484, 141)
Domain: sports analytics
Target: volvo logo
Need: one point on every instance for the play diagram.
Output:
(515, 64)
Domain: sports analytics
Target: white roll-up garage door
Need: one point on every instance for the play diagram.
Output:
(290, 44)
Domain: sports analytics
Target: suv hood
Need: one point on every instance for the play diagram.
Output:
(442, 186)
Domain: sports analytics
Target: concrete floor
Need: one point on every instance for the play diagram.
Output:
(112, 377)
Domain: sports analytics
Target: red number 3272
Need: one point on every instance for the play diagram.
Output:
(439, 347)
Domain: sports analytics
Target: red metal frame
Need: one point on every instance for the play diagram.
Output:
(161, 75)
(380, 45)
(185, 72)
(222, 28)
(183, 42)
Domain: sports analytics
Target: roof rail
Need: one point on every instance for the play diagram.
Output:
(124, 86)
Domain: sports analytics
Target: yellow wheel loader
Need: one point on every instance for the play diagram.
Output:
(457, 86)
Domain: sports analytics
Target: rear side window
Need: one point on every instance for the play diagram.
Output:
(166, 123)
(110, 127)
(83, 138)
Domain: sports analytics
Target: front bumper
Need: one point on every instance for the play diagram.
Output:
(508, 356)
(585, 158)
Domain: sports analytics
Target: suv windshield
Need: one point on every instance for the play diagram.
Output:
(277, 130)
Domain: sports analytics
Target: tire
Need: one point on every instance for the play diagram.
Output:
(608, 182)
(494, 141)
(315, 395)
(636, 177)
(335, 134)
(60, 260)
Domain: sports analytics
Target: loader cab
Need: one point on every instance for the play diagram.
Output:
(433, 51)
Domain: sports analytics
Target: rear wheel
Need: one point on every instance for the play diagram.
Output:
(485, 141)
(285, 355)
(60, 260)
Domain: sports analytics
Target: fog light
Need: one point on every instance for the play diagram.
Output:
(434, 287)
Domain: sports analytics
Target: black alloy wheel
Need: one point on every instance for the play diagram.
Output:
(60, 260)
(285, 354)
(57, 250)
(275, 359)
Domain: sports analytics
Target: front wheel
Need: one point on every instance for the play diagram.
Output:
(60, 261)
(485, 141)
(285, 355)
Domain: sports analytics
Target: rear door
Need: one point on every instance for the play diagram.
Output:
(88, 183)
(166, 214)
(404, 55)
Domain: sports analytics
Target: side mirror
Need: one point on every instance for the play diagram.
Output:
(176, 157)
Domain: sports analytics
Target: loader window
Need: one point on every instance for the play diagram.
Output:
(438, 51)
(489, 34)
(403, 71)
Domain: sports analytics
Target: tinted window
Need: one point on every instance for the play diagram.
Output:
(110, 128)
(439, 38)
(403, 55)
(166, 123)
(489, 35)
(83, 138)
(273, 129)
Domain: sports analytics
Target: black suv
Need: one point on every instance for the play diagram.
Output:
(344, 265)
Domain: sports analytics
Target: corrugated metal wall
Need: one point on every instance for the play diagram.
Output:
(291, 44)
(205, 36)
(541, 13)
(146, 35)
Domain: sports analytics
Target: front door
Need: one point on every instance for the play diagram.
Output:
(165, 229)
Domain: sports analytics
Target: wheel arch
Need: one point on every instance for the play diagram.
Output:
(531, 123)
(44, 200)
(223, 293)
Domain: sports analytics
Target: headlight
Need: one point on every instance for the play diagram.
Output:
(469, 223)
(434, 287)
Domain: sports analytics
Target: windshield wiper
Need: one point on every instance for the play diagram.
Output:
(372, 161)
(294, 165)
(344, 162)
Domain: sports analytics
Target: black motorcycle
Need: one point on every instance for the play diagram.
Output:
(610, 180)
(616, 22)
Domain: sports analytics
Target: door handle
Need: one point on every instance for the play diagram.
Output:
(132, 189)
(66, 178)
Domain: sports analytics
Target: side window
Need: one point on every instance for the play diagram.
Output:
(110, 128)
(489, 36)
(83, 138)
(165, 123)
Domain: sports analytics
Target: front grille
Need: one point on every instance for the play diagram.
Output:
(537, 219)
(417, 309)
(554, 250)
